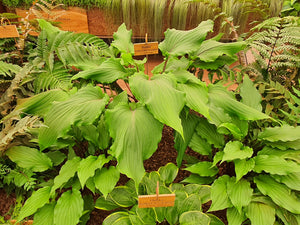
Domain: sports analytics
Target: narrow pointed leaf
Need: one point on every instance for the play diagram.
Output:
(66, 172)
(284, 133)
(122, 40)
(236, 150)
(69, 208)
(179, 42)
(29, 158)
(37, 200)
(260, 213)
(239, 193)
(279, 193)
(108, 72)
(81, 109)
(88, 166)
(136, 134)
(161, 97)
(205, 169)
(106, 179)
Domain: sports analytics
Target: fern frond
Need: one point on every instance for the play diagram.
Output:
(8, 69)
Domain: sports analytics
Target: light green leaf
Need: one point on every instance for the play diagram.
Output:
(66, 172)
(239, 193)
(88, 166)
(80, 109)
(168, 173)
(41, 103)
(122, 40)
(242, 167)
(234, 130)
(205, 169)
(260, 213)
(250, 95)
(214, 220)
(200, 145)
(234, 217)
(69, 208)
(194, 218)
(106, 204)
(117, 218)
(106, 179)
(161, 97)
(235, 150)
(29, 158)
(37, 200)
(219, 97)
(179, 42)
(196, 179)
(284, 133)
(123, 196)
(191, 203)
(219, 196)
(275, 165)
(173, 65)
(279, 193)
(210, 50)
(292, 180)
(108, 72)
(45, 215)
(136, 134)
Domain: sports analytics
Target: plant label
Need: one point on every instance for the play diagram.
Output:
(150, 201)
(9, 31)
(148, 48)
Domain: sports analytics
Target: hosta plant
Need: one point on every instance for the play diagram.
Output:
(91, 129)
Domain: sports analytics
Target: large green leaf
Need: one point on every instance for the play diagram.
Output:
(88, 166)
(194, 218)
(66, 172)
(161, 97)
(260, 213)
(205, 169)
(292, 180)
(242, 167)
(37, 200)
(210, 50)
(106, 179)
(219, 196)
(284, 133)
(69, 208)
(250, 95)
(80, 109)
(122, 40)
(235, 150)
(234, 217)
(179, 42)
(220, 97)
(275, 165)
(136, 134)
(108, 72)
(45, 215)
(29, 158)
(279, 193)
(239, 193)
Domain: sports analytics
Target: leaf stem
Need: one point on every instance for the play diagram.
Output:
(165, 65)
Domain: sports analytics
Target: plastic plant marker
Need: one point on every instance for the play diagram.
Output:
(157, 200)
(9, 31)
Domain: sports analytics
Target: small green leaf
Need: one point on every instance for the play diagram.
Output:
(37, 200)
(117, 218)
(194, 218)
(200, 145)
(279, 193)
(106, 204)
(122, 39)
(250, 95)
(239, 193)
(56, 157)
(242, 167)
(66, 172)
(204, 169)
(29, 158)
(191, 203)
(235, 217)
(106, 179)
(168, 173)
(123, 196)
(236, 150)
(219, 196)
(284, 133)
(88, 166)
(292, 180)
(214, 220)
(69, 208)
(260, 213)
(45, 215)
